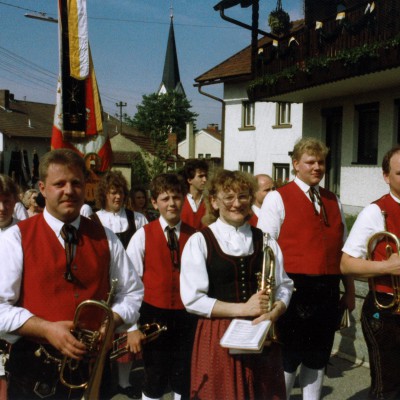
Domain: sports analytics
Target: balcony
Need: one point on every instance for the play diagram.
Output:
(334, 57)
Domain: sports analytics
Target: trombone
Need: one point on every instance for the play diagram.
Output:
(151, 332)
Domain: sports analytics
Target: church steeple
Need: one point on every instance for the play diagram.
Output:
(171, 79)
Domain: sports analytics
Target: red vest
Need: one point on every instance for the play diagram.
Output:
(392, 209)
(44, 291)
(193, 219)
(160, 278)
(253, 220)
(308, 245)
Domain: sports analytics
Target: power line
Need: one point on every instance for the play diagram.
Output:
(137, 21)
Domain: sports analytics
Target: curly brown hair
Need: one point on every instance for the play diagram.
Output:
(225, 180)
(111, 179)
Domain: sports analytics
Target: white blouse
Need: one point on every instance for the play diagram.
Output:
(194, 281)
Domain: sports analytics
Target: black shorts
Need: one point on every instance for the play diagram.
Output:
(307, 329)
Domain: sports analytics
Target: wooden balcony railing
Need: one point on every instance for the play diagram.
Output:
(366, 31)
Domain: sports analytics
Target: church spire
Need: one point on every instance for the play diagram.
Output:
(171, 79)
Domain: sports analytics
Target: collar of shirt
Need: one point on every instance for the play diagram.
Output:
(193, 203)
(164, 224)
(56, 225)
(397, 200)
(304, 187)
(238, 241)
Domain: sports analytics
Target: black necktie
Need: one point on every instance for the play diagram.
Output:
(70, 236)
(173, 245)
(315, 196)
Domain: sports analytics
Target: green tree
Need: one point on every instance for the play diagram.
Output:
(157, 116)
(160, 114)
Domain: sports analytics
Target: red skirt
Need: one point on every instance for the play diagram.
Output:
(216, 374)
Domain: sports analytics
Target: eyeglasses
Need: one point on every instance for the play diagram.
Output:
(230, 199)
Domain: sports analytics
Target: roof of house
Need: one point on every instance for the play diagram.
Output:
(237, 66)
(27, 119)
(215, 134)
(30, 119)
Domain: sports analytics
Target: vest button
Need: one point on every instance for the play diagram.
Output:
(76, 295)
(75, 267)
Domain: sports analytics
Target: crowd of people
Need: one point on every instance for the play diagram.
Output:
(191, 265)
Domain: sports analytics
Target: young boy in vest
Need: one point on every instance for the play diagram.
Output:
(156, 251)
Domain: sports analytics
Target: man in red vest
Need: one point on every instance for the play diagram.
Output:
(381, 327)
(156, 252)
(195, 174)
(265, 185)
(308, 223)
(54, 261)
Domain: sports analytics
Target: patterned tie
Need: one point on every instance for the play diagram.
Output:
(70, 236)
(315, 196)
(173, 245)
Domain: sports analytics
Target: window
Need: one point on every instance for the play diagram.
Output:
(200, 156)
(283, 111)
(368, 129)
(208, 155)
(281, 173)
(248, 114)
(246, 167)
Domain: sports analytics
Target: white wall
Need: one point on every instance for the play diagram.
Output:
(359, 184)
(264, 145)
(204, 144)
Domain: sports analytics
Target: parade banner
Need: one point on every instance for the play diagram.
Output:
(78, 117)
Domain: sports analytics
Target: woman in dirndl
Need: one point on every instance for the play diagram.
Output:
(219, 283)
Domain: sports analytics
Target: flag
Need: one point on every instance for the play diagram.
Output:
(78, 117)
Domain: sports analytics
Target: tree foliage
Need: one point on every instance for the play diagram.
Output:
(160, 114)
(157, 116)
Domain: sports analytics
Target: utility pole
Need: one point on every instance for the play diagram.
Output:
(120, 105)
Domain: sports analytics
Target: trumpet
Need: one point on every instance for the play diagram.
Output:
(389, 237)
(266, 281)
(96, 338)
(151, 332)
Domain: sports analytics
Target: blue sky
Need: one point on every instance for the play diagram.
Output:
(128, 39)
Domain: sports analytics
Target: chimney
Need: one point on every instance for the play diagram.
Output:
(5, 98)
(212, 127)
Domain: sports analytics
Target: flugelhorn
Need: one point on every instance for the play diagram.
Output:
(96, 337)
(266, 281)
(389, 237)
(151, 332)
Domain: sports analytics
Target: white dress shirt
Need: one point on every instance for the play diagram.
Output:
(86, 210)
(118, 222)
(137, 244)
(194, 281)
(20, 212)
(272, 213)
(127, 299)
(369, 221)
(192, 202)
(256, 210)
